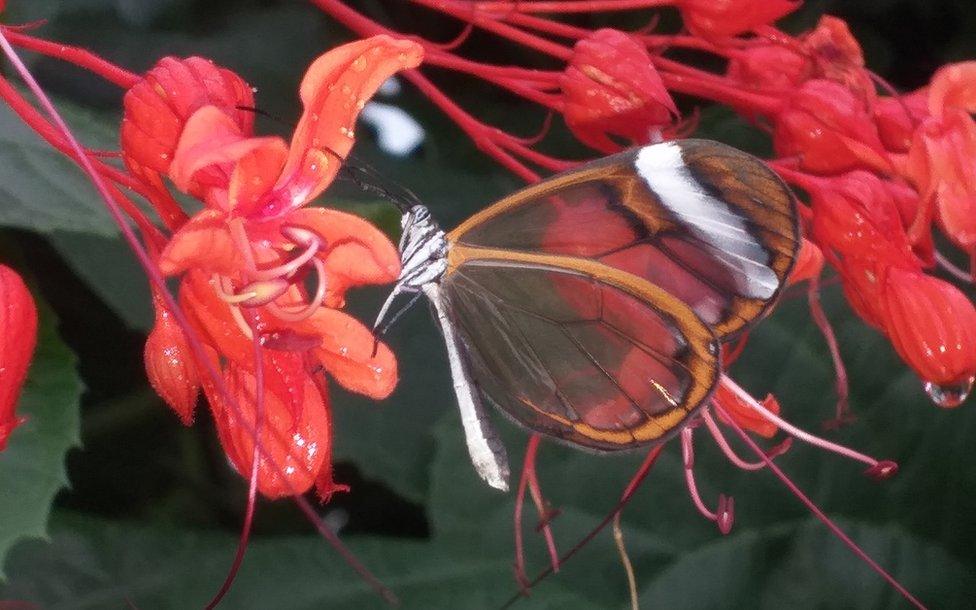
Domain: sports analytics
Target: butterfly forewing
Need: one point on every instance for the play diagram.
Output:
(706, 222)
(587, 354)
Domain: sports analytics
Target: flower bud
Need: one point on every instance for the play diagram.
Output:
(717, 19)
(170, 367)
(611, 88)
(18, 336)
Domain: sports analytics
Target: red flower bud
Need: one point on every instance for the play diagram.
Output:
(837, 56)
(897, 117)
(830, 130)
(611, 88)
(157, 108)
(932, 326)
(18, 336)
(772, 68)
(715, 19)
(170, 366)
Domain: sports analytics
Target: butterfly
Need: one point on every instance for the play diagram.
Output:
(591, 307)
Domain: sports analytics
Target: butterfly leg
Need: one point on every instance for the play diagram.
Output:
(486, 449)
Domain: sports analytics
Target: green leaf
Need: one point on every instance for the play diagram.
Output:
(32, 466)
(40, 188)
(92, 563)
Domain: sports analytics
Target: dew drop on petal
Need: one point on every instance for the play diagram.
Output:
(949, 395)
(343, 350)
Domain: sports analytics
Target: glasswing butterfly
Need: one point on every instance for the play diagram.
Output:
(591, 307)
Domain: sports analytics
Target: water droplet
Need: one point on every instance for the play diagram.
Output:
(343, 350)
(346, 89)
(949, 395)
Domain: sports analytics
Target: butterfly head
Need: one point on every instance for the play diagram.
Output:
(423, 249)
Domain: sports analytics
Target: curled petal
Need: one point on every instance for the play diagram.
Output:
(346, 352)
(809, 263)
(170, 366)
(746, 417)
(932, 326)
(205, 243)
(335, 89)
(157, 108)
(953, 86)
(354, 251)
(209, 149)
(611, 87)
(18, 336)
(716, 19)
(295, 448)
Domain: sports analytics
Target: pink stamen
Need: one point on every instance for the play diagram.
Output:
(952, 269)
(303, 313)
(723, 517)
(843, 414)
(530, 480)
(288, 269)
(819, 514)
(802, 435)
(723, 444)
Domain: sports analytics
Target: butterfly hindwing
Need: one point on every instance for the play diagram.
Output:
(587, 354)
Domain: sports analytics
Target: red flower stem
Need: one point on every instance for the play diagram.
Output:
(550, 163)
(252, 486)
(196, 346)
(437, 57)
(629, 491)
(547, 26)
(576, 6)
(77, 56)
(469, 13)
(819, 514)
(840, 372)
(531, 452)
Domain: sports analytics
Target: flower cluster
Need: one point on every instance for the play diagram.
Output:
(882, 171)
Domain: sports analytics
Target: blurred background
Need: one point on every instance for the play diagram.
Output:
(150, 510)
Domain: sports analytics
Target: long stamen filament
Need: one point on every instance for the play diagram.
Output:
(290, 314)
(724, 515)
(724, 445)
(877, 467)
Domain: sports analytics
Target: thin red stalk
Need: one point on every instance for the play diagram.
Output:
(840, 372)
(481, 134)
(713, 87)
(540, 503)
(820, 515)
(157, 280)
(36, 121)
(629, 491)
(252, 487)
(576, 6)
(550, 163)
(468, 13)
(520, 575)
(547, 26)
(77, 56)
(449, 60)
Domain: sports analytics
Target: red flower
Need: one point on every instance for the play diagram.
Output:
(830, 131)
(716, 19)
(246, 258)
(932, 326)
(940, 158)
(18, 336)
(611, 88)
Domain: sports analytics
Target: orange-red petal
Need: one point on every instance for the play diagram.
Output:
(205, 243)
(346, 352)
(731, 405)
(294, 448)
(354, 251)
(336, 87)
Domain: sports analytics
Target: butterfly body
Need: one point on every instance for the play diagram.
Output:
(591, 307)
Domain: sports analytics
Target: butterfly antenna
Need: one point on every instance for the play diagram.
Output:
(367, 179)
(263, 113)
